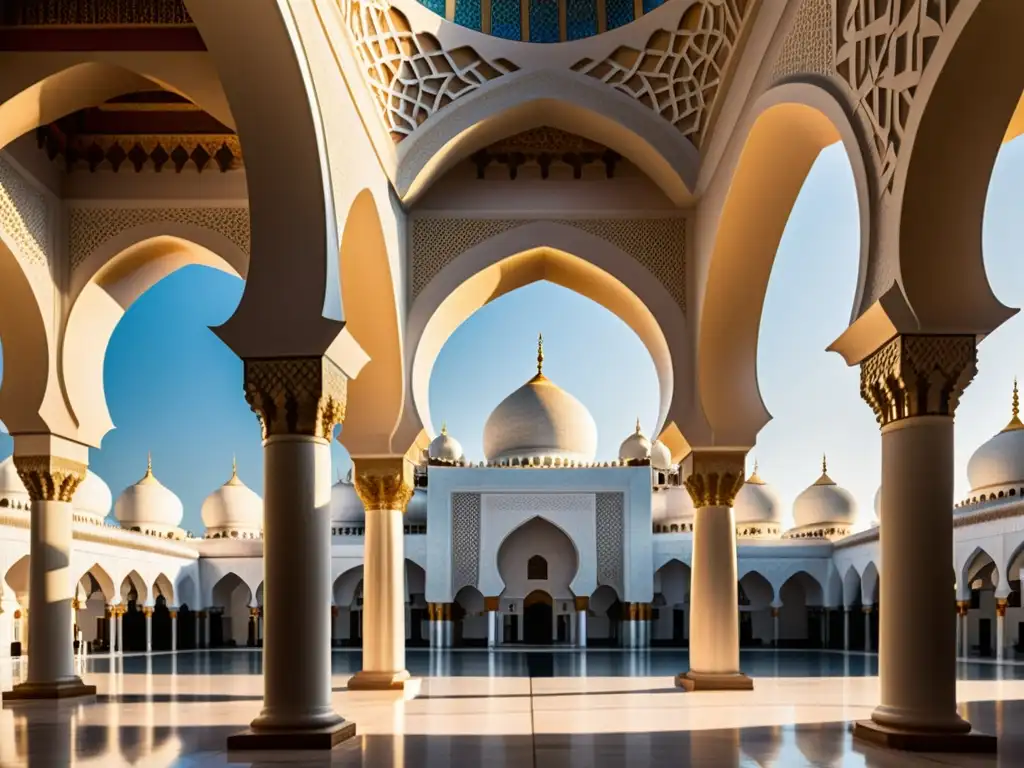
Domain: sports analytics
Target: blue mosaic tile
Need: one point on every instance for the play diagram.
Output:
(544, 21)
(618, 12)
(467, 14)
(650, 5)
(437, 6)
(507, 19)
(580, 19)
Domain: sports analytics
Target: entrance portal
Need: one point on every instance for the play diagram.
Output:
(538, 612)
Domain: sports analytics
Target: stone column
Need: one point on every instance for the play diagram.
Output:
(582, 606)
(197, 626)
(491, 606)
(385, 487)
(716, 477)
(120, 628)
(148, 611)
(112, 629)
(250, 631)
(913, 383)
(1000, 627)
(259, 626)
(299, 401)
(74, 624)
(174, 629)
(846, 628)
(866, 611)
(963, 608)
(51, 482)
(775, 625)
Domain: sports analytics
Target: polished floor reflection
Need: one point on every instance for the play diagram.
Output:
(511, 708)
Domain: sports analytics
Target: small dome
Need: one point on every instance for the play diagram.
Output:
(12, 489)
(346, 506)
(444, 448)
(540, 421)
(824, 502)
(636, 447)
(671, 505)
(93, 498)
(661, 456)
(757, 502)
(998, 465)
(416, 511)
(149, 506)
(233, 508)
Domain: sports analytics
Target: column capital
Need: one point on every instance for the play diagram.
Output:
(296, 395)
(716, 477)
(582, 603)
(173, 613)
(1001, 604)
(775, 612)
(50, 478)
(148, 612)
(918, 375)
(384, 483)
(491, 603)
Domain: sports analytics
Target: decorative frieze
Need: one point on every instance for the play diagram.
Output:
(296, 395)
(38, 13)
(918, 375)
(465, 540)
(716, 477)
(609, 522)
(808, 47)
(50, 478)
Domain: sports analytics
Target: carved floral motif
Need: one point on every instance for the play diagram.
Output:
(384, 484)
(296, 395)
(716, 478)
(50, 478)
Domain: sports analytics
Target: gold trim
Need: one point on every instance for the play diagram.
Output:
(638, 9)
(524, 16)
(449, 10)
(296, 395)
(384, 484)
(1015, 422)
(563, 21)
(485, 16)
(50, 478)
(716, 477)
(602, 16)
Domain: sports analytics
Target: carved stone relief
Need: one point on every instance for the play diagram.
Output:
(807, 49)
(465, 540)
(610, 525)
(657, 244)
(24, 217)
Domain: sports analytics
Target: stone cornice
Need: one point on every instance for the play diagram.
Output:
(117, 537)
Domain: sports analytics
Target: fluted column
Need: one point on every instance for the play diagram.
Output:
(385, 486)
(299, 401)
(914, 383)
(148, 612)
(714, 481)
(51, 482)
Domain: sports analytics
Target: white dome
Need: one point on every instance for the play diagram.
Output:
(11, 487)
(636, 447)
(824, 502)
(233, 508)
(416, 511)
(346, 506)
(671, 505)
(444, 448)
(877, 506)
(93, 498)
(661, 456)
(757, 502)
(149, 506)
(998, 465)
(540, 420)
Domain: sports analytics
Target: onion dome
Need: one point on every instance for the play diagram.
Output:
(672, 510)
(636, 448)
(416, 510)
(234, 510)
(998, 465)
(661, 456)
(824, 510)
(92, 500)
(444, 449)
(148, 506)
(540, 421)
(757, 507)
(13, 493)
(346, 506)
(877, 506)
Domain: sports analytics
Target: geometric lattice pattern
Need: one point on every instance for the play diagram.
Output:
(610, 537)
(678, 72)
(88, 228)
(23, 217)
(807, 49)
(465, 540)
(410, 74)
(659, 244)
(561, 503)
(882, 50)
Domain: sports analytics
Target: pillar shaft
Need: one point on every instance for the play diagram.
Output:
(174, 631)
(846, 629)
(1000, 628)
(112, 630)
(582, 606)
(914, 383)
(715, 479)
(149, 628)
(120, 628)
(385, 487)
(51, 483)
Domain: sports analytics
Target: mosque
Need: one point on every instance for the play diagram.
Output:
(539, 544)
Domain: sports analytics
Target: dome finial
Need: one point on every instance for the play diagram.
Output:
(444, 427)
(1015, 422)
(234, 465)
(755, 465)
(824, 464)
(540, 354)
(149, 463)
(638, 430)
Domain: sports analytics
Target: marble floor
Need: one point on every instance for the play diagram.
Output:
(510, 708)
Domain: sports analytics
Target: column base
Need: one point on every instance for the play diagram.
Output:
(316, 738)
(710, 681)
(924, 741)
(380, 681)
(65, 689)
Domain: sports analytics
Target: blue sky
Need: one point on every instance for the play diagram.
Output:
(175, 390)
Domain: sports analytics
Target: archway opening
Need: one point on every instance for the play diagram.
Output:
(347, 628)
(671, 604)
(134, 597)
(755, 605)
(470, 618)
(802, 622)
(981, 575)
(229, 616)
(538, 618)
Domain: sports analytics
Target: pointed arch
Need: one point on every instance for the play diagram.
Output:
(103, 580)
(134, 581)
(346, 586)
(17, 579)
(186, 592)
(977, 561)
(851, 587)
(869, 584)
(673, 578)
(162, 587)
(757, 589)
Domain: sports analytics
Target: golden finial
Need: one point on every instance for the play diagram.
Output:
(149, 462)
(755, 466)
(824, 479)
(234, 465)
(444, 427)
(540, 354)
(824, 464)
(638, 430)
(1015, 422)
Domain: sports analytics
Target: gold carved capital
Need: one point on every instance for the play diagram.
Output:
(716, 477)
(582, 603)
(50, 478)
(384, 484)
(491, 603)
(296, 395)
(918, 375)
(1001, 604)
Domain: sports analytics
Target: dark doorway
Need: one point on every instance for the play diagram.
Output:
(186, 629)
(537, 618)
(161, 625)
(985, 637)
(746, 629)
(355, 629)
(678, 627)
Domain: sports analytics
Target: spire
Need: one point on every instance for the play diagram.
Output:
(824, 464)
(824, 479)
(444, 427)
(234, 472)
(148, 477)
(540, 354)
(755, 479)
(638, 430)
(1015, 422)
